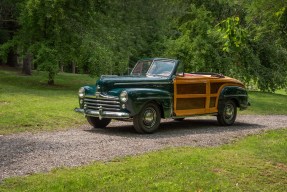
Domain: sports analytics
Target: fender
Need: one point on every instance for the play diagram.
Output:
(138, 97)
(236, 93)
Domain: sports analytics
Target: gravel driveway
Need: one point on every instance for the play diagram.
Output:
(27, 153)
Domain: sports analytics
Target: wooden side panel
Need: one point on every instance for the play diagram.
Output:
(191, 97)
(190, 103)
(198, 96)
(195, 88)
(215, 86)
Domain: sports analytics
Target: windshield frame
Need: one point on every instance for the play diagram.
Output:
(149, 71)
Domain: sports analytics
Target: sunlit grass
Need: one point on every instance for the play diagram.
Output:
(27, 103)
(267, 104)
(257, 163)
(282, 91)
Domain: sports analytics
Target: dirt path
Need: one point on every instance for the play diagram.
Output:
(27, 153)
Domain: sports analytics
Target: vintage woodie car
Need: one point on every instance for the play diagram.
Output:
(159, 88)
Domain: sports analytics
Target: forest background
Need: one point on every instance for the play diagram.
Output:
(244, 39)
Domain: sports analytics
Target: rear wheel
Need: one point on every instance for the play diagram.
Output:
(228, 114)
(148, 120)
(97, 123)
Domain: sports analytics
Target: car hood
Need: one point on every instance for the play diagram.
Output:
(107, 83)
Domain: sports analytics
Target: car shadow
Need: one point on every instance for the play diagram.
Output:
(170, 128)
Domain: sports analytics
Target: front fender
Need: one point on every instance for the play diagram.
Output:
(138, 97)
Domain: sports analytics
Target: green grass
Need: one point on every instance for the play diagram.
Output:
(282, 91)
(267, 103)
(27, 103)
(256, 163)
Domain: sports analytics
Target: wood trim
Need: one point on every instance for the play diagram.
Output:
(207, 100)
(187, 112)
(213, 110)
(207, 81)
(189, 81)
(174, 95)
(191, 95)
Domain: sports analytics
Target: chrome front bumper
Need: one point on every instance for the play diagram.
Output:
(103, 114)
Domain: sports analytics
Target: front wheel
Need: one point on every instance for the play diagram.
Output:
(97, 123)
(228, 114)
(148, 120)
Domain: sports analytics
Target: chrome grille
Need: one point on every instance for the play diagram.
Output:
(105, 103)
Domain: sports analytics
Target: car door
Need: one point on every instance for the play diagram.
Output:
(192, 96)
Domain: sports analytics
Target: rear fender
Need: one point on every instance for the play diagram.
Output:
(237, 94)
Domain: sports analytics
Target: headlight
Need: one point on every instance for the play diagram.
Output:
(124, 96)
(81, 92)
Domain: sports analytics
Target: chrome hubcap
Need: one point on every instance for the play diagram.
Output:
(149, 117)
(229, 112)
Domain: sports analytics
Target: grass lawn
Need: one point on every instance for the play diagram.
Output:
(27, 103)
(267, 103)
(256, 163)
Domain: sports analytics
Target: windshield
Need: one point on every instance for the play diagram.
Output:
(141, 68)
(156, 68)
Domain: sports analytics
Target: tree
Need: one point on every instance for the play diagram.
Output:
(8, 27)
(246, 40)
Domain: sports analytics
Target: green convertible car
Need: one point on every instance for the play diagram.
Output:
(159, 88)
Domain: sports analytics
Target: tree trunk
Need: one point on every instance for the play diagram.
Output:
(73, 67)
(51, 78)
(62, 68)
(27, 64)
(51, 82)
(12, 59)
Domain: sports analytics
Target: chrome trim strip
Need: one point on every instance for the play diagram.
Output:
(103, 114)
(145, 98)
(102, 97)
(103, 105)
(90, 101)
(107, 114)
(79, 110)
(106, 108)
(144, 83)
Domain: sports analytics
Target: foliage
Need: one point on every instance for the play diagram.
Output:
(233, 34)
(242, 39)
(247, 40)
(257, 163)
(97, 36)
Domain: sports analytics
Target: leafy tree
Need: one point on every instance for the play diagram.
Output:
(8, 27)
(246, 40)
(243, 39)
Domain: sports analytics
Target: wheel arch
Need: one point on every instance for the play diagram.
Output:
(138, 98)
(237, 94)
